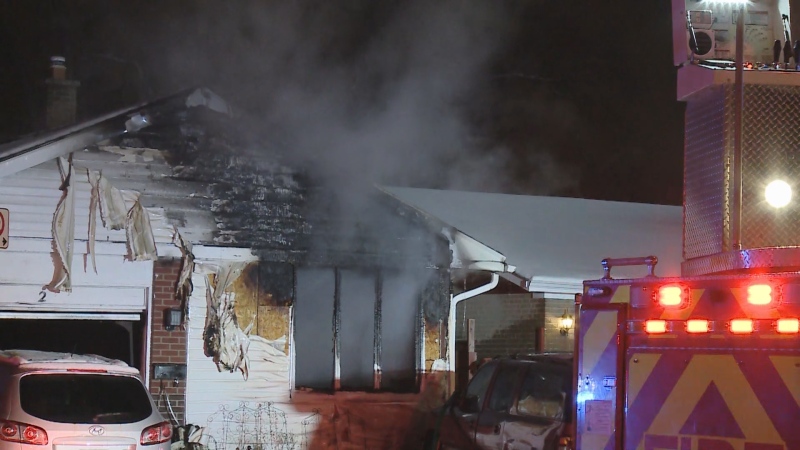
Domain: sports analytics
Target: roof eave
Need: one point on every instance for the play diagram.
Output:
(25, 153)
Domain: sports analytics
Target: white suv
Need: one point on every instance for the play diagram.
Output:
(76, 402)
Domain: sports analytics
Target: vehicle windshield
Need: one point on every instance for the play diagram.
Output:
(84, 398)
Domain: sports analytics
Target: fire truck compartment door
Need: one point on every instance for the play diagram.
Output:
(598, 414)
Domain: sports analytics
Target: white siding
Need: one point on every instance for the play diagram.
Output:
(118, 285)
(208, 390)
(264, 413)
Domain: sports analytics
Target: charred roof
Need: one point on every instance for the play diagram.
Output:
(263, 199)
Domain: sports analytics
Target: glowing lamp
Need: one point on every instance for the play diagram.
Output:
(565, 323)
(778, 193)
(670, 295)
(655, 326)
(741, 326)
(787, 326)
(697, 326)
(759, 294)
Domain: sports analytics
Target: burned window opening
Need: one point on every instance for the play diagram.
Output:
(375, 329)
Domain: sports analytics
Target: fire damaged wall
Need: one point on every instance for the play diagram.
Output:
(284, 211)
(338, 321)
(358, 340)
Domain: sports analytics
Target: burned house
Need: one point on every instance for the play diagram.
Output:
(271, 309)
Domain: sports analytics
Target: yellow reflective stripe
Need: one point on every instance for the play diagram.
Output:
(789, 369)
(640, 366)
(622, 294)
(597, 338)
(735, 390)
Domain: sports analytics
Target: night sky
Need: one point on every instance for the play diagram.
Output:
(536, 97)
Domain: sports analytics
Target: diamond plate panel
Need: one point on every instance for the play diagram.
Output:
(705, 173)
(766, 259)
(771, 150)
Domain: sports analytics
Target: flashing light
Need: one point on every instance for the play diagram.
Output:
(697, 326)
(778, 193)
(655, 326)
(759, 294)
(741, 326)
(787, 326)
(670, 295)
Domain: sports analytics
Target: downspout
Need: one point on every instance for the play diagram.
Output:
(451, 319)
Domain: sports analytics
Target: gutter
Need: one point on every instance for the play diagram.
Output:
(27, 152)
(451, 319)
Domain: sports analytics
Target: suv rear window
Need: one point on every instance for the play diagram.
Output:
(546, 392)
(84, 398)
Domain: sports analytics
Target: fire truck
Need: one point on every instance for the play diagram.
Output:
(710, 359)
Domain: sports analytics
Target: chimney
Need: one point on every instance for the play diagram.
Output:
(61, 95)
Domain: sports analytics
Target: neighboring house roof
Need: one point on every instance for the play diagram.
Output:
(557, 242)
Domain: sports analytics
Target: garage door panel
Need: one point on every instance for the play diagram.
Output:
(84, 298)
(37, 269)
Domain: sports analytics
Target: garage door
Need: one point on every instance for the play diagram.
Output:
(119, 286)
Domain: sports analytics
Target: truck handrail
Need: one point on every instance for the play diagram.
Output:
(649, 261)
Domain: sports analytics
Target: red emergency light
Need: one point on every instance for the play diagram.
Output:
(759, 294)
(697, 326)
(655, 326)
(787, 326)
(672, 296)
(741, 326)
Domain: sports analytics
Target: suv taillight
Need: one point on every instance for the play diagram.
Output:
(157, 434)
(22, 432)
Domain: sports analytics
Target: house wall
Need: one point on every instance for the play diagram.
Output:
(506, 324)
(554, 341)
(168, 347)
(262, 408)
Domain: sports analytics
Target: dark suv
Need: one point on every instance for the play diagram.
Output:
(510, 403)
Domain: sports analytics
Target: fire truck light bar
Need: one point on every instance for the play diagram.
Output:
(759, 294)
(697, 326)
(787, 326)
(671, 295)
(741, 326)
(655, 326)
(702, 326)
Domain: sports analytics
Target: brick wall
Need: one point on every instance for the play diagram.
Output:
(554, 341)
(167, 346)
(506, 324)
(61, 103)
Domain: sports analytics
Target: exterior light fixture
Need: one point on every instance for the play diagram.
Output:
(173, 318)
(565, 323)
(778, 194)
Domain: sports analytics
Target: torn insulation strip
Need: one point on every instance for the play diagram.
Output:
(63, 231)
(223, 340)
(139, 233)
